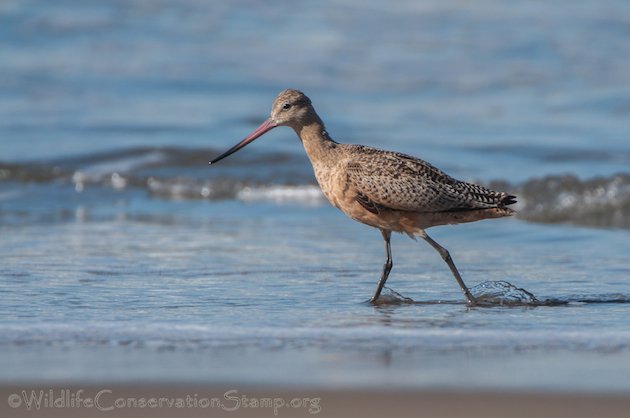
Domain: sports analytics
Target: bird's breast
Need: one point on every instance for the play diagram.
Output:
(327, 179)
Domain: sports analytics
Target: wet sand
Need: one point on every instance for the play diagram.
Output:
(142, 400)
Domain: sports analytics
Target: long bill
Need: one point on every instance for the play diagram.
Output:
(266, 126)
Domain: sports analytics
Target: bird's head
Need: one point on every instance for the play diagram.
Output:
(290, 108)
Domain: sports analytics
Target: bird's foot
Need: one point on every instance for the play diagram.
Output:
(471, 301)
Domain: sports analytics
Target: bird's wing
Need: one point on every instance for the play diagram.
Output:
(389, 180)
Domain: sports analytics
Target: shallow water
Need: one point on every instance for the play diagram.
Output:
(125, 257)
(206, 299)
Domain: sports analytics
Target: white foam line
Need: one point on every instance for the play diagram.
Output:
(102, 333)
(282, 194)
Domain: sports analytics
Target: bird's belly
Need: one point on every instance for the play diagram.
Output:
(391, 220)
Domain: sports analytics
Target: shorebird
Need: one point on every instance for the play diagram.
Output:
(387, 190)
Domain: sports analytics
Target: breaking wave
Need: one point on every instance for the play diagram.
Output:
(160, 336)
(601, 201)
(171, 173)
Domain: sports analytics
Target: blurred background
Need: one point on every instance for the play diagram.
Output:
(119, 241)
(113, 93)
(110, 93)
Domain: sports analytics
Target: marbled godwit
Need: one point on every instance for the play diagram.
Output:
(387, 190)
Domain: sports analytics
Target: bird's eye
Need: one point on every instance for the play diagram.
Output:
(286, 106)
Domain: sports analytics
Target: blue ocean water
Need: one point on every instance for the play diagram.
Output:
(126, 257)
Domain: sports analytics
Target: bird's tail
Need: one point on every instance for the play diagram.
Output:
(506, 200)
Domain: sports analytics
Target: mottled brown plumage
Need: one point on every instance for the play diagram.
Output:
(387, 190)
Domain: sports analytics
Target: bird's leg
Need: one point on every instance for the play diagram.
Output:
(447, 257)
(387, 267)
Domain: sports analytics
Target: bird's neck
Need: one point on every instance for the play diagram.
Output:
(317, 143)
